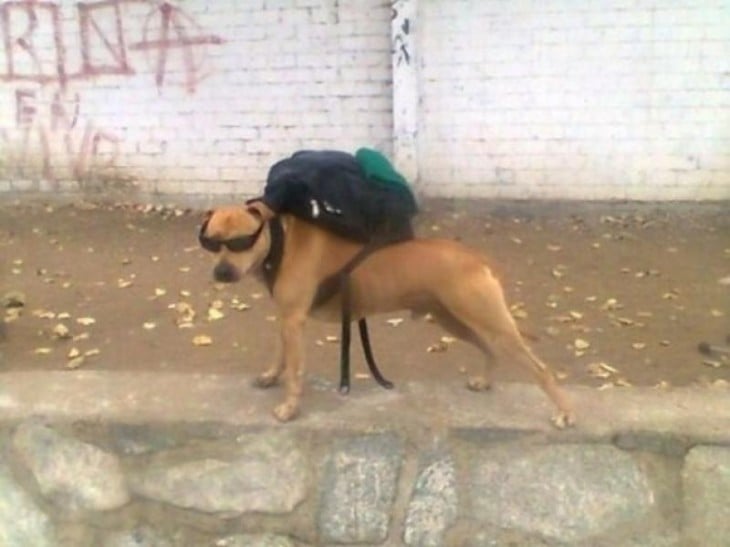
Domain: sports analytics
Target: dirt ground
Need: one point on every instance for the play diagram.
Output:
(616, 294)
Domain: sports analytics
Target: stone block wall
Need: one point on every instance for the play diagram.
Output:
(158, 485)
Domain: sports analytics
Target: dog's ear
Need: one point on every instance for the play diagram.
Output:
(260, 209)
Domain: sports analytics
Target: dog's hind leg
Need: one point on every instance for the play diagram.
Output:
(454, 326)
(481, 307)
(511, 346)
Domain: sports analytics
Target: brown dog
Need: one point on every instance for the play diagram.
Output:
(440, 277)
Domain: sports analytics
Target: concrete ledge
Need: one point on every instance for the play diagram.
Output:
(183, 459)
(701, 415)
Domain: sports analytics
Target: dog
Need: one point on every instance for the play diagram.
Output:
(440, 277)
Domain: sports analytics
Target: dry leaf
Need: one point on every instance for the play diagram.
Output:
(160, 292)
(554, 248)
(124, 283)
(625, 321)
(332, 339)
(75, 363)
(611, 304)
(438, 347)
(61, 332)
(518, 311)
(149, 325)
(394, 322)
(638, 345)
(717, 313)
(86, 321)
(202, 340)
(91, 352)
(42, 351)
(597, 370)
(185, 315)
(712, 363)
(73, 353)
(214, 314)
(581, 344)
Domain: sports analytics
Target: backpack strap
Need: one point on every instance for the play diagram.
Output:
(272, 262)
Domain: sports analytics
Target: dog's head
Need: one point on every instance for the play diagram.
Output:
(237, 237)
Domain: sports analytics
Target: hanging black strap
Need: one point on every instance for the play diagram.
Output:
(343, 284)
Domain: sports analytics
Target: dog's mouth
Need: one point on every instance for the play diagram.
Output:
(225, 272)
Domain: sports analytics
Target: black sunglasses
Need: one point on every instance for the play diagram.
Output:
(235, 244)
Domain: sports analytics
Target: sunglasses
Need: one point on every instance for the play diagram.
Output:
(235, 244)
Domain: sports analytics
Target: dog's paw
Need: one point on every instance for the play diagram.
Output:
(286, 412)
(478, 383)
(266, 380)
(563, 419)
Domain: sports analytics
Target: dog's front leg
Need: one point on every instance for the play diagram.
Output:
(270, 377)
(293, 353)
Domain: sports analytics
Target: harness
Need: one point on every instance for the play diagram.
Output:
(337, 282)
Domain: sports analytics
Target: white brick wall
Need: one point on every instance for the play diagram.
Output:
(203, 107)
(489, 98)
(562, 99)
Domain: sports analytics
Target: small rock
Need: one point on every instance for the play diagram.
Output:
(268, 475)
(536, 491)
(21, 521)
(359, 489)
(75, 475)
(433, 505)
(706, 481)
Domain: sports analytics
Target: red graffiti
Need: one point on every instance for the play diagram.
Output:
(171, 28)
(94, 38)
(104, 48)
(44, 122)
(115, 38)
(22, 23)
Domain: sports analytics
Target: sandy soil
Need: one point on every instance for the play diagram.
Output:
(616, 294)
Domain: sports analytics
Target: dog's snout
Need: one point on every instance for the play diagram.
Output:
(225, 272)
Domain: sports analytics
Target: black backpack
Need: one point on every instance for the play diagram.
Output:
(359, 197)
